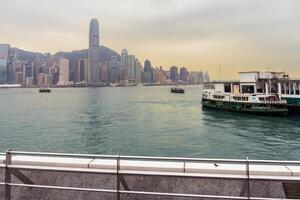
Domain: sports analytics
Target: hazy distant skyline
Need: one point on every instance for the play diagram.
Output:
(237, 35)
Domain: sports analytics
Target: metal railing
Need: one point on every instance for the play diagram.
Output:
(9, 166)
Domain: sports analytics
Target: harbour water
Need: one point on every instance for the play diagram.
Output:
(139, 121)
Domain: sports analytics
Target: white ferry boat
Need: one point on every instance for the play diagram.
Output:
(249, 103)
(255, 92)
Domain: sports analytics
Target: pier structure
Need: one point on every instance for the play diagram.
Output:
(36, 175)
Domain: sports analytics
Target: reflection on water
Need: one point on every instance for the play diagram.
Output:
(139, 121)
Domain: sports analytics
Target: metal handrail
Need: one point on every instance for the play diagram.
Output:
(247, 162)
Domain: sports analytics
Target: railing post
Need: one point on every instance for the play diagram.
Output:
(248, 177)
(118, 178)
(7, 175)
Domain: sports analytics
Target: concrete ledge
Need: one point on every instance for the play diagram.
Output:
(269, 170)
(161, 166)
(295, 170)
(154, 167)
(138, 165)
(103, 164)
(218, 168)
(51, 161)
(2, 159)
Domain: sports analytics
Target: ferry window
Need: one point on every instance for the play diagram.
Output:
(227, 88)
(218, 97)
(237, 98)
(297, 92)
(209, 87)
(247, 89)
(271, 98)
(261, 98)
(259, 90)
(240, 98)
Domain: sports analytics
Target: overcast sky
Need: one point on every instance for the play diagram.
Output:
(237, 35)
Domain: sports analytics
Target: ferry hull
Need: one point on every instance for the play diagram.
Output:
(293, 104)
(245, 107)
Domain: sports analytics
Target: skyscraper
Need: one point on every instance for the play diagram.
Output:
(94, 51)
(114, 69)
(63, 71)
(174, 73)
(4, 57)
(148, 72)
(131, 60)
(183, 74)
(125, 63)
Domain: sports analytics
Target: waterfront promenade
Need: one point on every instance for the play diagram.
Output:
(33, 175)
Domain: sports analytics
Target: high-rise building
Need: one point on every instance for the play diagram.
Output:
(137, 70)
(114, 74)
(104, 71)
(206, 77)
(183, 74)
(79, 70)
(174, 73)
(132, 64)
(94, 59)
(29, 81)
(87, 73)
(19, 77)
(159, 75)
(148, 72)
(4, 59)
(196, 77)
(63, 71)
(27, 70)
(125, 64)
(44, 79)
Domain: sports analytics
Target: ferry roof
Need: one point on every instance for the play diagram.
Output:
(261, 72)
(289, 80)
(219, 82)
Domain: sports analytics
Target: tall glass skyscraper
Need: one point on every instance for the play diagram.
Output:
(4, 56)
(94, 59)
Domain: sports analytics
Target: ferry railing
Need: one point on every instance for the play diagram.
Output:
(9, 166)
(275, 102)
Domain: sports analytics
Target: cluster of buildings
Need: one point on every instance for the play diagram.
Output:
(35, 69)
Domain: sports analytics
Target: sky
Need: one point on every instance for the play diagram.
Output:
(222, 37)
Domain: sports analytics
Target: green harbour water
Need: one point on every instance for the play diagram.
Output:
(139, 121)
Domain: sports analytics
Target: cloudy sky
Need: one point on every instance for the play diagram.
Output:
(237, 35)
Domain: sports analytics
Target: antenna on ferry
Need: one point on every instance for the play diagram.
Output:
(219, 72)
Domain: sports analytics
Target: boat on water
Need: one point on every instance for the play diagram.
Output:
(177, 90)
(271, 93)
(44, 90)
(261, 104)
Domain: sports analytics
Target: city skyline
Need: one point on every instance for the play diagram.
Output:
(238, 36)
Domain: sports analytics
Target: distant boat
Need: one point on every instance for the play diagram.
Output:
(44, 90)
(10, 85)
(177, 90)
